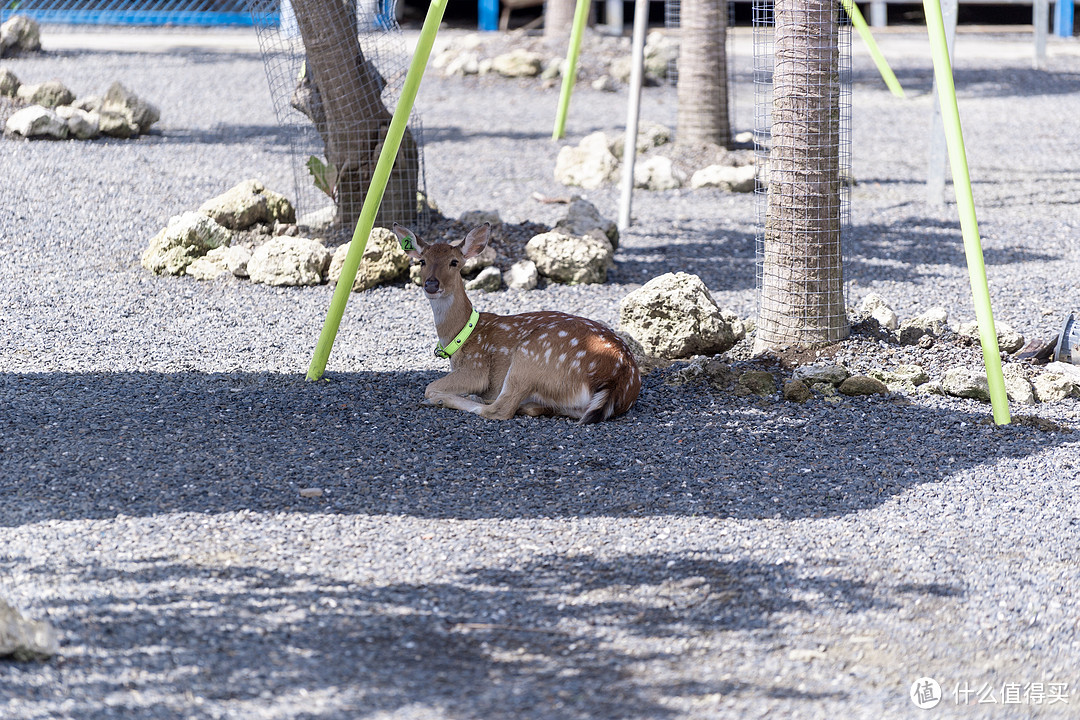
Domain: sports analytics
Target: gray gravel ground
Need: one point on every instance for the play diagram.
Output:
(705, 556)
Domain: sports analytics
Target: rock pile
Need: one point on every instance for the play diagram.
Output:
(603, 62)
(228, 234)
(673, 317)
(50, 111)
(250, 232)
(597, 160)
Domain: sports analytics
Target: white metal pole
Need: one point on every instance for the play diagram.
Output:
(614, 17)
(935, 180)
(1040, 18)
(633, 109)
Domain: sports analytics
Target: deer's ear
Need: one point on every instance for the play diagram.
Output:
(476, 241)
(411, 244)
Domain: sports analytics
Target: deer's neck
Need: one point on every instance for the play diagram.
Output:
(451, 313)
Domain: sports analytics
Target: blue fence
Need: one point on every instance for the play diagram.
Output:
(203, 13)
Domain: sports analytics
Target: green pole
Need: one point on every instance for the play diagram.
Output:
(377, 187)
(864, 32)
(581, 16)
(954, 138)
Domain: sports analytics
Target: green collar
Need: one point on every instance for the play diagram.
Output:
(459, 339)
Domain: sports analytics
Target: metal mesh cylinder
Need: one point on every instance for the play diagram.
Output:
(335, 108)
(802, 66)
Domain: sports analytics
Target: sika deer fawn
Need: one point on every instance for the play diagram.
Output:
(536, 363)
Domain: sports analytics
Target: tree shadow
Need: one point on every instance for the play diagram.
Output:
(999, 82)
(454, 134)
(269, 135)
(900, 252)
(96, 445)
(722, 258)
(557, 636)
(726, 259)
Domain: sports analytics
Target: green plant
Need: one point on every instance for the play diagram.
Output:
(324, 175)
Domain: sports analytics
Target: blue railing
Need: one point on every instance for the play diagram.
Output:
(133, 12)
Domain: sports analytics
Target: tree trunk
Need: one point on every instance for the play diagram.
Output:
(558, 17)
(345, 103)
(802, 281)
(703, 85)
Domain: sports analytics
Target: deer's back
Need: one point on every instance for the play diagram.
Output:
(563, 355)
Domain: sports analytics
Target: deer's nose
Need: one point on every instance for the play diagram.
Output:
(431, 285)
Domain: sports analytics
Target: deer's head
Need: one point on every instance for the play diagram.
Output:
(441, 262)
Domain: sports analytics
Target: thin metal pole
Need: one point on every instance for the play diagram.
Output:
(1040, 18)
(633, 110)
(935, 177)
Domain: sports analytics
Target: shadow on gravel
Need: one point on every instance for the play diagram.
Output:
(455, 134)
(225, 135)
(900, 252)
(96, 445)
(976, 82)
(721, 258)
(566, 637)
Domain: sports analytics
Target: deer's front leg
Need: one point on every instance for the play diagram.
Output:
(448, 391)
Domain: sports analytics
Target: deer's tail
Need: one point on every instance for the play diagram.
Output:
(613, 395)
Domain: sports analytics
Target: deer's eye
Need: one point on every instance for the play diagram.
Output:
(423, 263)
(453, 263)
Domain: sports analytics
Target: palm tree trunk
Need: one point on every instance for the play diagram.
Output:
(703, 85)
(802, 294)
(558, 17)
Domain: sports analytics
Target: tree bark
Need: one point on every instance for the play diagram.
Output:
(703, 85)
(347, 108)
(802, 281)
(558, 17)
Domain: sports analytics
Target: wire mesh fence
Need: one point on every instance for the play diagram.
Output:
(802, 136)
(334, 96)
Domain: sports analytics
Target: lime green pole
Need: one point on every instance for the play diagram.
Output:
(581, 16)
(864, 32)
(377, 187)
(954, 138)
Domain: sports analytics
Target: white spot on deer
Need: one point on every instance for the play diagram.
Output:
(562, 333)
(544, 336)
(504, 350)
(547, 355)
(580, 354)
(573, 342)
